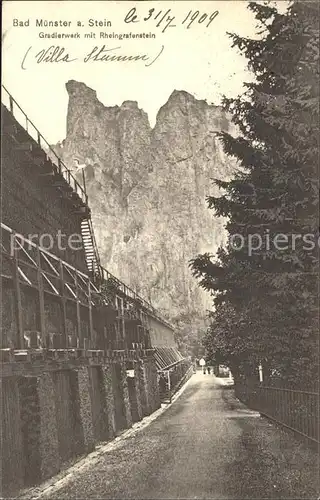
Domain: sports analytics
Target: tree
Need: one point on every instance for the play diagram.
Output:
(271, 291)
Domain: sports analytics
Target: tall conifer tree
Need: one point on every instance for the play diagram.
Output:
(271, 291)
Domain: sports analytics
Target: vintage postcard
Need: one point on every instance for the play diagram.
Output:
(160, 249)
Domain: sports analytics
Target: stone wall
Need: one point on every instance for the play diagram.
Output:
(108, 395)
(49, 446)
(12, 456)
(144, 393)
(52, 416)
(134, 391)
(151, 376)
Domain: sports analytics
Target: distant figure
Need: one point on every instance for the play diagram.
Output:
(209, 370)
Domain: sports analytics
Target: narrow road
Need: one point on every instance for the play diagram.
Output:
(206, 445)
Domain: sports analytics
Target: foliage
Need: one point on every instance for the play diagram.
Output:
(108, 290)
(189, 332)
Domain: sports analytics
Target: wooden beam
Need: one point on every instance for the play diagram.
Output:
(78, 310)
(18, 300)
(41, 301)
(63, 305)
(52, 256)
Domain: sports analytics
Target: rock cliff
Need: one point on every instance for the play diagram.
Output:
(147, 189)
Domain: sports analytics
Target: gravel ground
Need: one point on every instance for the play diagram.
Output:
(206, 445)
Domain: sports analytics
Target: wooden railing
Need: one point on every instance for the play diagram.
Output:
(58, 290)
(295, 409)
(21, 117)
(171, 379)
(130, 294)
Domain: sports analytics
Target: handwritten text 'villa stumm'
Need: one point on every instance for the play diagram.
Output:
(57, 54)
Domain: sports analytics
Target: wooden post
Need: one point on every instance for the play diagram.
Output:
(63, 305)
(92, 334)
(84, 180)
(41, 301)
(78, 309)
(17, 293)
(123, 332)
(169, 384)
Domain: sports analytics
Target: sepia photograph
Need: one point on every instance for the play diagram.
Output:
(160, 242)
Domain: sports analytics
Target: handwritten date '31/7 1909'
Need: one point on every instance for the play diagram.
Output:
(165, 19)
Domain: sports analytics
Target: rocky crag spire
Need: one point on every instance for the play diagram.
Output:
(147, 190)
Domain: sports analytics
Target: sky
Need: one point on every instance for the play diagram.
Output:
(196, 57)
